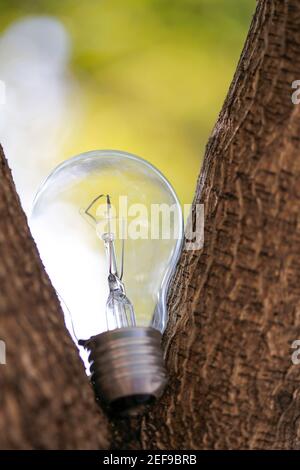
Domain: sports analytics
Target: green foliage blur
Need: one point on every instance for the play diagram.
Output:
(153, 73)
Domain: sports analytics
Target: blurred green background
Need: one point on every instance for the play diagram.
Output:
(151, 76)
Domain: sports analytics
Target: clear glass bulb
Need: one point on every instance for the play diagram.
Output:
(109, 228)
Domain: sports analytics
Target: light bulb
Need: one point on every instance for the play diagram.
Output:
(109, 228)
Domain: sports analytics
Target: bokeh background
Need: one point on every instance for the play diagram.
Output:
(144, 76)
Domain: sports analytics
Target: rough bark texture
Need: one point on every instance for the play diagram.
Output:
(45, 398)
(235, 306)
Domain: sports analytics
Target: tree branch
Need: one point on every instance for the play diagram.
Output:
(235, 305)
(45, 398)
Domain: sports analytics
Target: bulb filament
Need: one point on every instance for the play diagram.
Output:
(119, 309)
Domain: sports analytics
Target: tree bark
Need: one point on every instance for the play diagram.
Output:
(45, 397)
(234, 305)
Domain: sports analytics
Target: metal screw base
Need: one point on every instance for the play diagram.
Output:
(127, 368)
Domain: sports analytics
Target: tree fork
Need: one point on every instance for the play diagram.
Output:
(234, 305)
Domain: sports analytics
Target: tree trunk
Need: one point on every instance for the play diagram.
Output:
(234, 305)
(45, 398)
